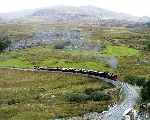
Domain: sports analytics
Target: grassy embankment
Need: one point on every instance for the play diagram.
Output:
(33, 95)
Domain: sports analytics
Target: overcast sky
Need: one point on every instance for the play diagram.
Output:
(134, 7)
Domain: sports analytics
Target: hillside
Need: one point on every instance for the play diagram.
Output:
(1, 20)
(86, 15)
(75, 13)
(66, 14)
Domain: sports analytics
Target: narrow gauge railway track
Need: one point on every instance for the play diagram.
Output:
(114, 113)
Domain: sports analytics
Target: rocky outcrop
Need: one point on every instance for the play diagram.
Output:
(70, 39)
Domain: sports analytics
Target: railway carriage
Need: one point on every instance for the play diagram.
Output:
(82, 71)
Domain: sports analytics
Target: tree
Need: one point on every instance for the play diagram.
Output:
(147, 45)
(4, 43)
(145, 92)
(135, 80)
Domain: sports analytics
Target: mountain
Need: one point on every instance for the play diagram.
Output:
(1, 20)
(84, 12)
(18, 14)
(69, 14)
(144, 19)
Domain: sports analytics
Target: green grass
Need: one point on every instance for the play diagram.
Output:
(120, 51)
(26, 95)
(75, 64)
(45, 56)
(133, 37)
(15, 63)
(132, 66)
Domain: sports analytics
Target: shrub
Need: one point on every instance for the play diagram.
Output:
(89, 94)
(88, 91)
(78, 97)
(97, 96)
(11, 102)
(4, 43)
(61, 44)
(147, 45)
(135, 80)
(145, 92)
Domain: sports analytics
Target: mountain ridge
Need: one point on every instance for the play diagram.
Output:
(70, 13)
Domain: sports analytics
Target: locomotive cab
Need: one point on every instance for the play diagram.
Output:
(114, 77)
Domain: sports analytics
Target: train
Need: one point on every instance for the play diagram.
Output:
(107, 75)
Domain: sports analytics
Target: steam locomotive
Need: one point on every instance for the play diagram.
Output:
(81, 71)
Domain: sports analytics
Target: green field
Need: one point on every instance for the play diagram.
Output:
(33, 95)
(46, 56)
(120, 51)
(52, 58)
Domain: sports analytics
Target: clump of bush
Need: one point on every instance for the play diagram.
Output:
(135, 80)
(98, 95)
(13, 101)
(77, 97)
(88, 94)
(4, 43)
(145, 92)
(143, 82)
(88, 91)
(147, 45)
(61, 44)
